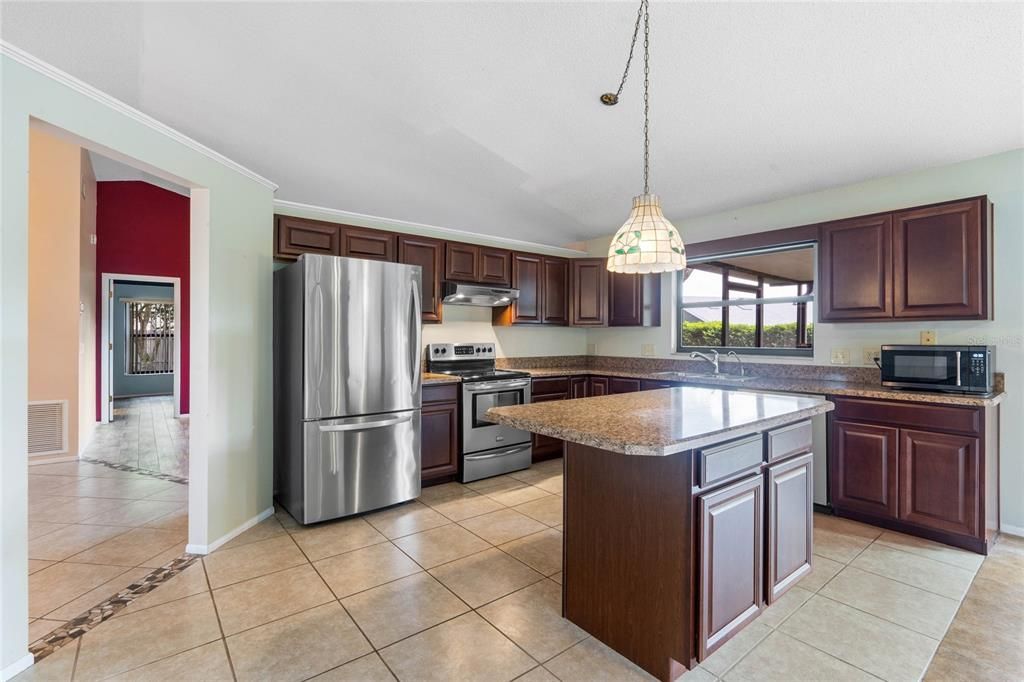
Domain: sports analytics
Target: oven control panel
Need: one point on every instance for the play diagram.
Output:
(460, 351)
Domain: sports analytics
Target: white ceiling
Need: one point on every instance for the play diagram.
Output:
(485, 116)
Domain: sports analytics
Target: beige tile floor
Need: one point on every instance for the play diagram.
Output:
(144, 434)
(92, 532)
(464, 584)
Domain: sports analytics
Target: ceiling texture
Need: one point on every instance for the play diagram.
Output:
(485, 116)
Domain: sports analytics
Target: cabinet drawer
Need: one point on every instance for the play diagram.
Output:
(441, 393)
(722, 463)
(789, 440)
(914, 415)
(550, 385)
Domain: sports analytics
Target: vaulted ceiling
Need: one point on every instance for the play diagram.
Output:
(485, 116)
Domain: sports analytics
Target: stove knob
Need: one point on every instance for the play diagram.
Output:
(444, 350)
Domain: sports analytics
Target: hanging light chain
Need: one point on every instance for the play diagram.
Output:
(613, 99)
(647, 86)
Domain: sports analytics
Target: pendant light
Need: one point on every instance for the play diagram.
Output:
(647, 241)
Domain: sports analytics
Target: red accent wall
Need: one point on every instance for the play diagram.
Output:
(142, 229)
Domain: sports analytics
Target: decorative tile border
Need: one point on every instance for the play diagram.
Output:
(79, 625)
(135, 470)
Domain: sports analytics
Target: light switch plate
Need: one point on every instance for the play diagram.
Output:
(647, 350)
(840, 356)
(591, 349)
(928, 338)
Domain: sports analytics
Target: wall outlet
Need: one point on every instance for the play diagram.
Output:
(591, 349)
(840, 356)
(928, 338)
(869, 355)
(647, 350)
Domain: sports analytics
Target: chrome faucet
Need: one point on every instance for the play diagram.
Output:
(713, 358)
(743, 370)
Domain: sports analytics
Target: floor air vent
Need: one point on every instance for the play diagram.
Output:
(47, 427)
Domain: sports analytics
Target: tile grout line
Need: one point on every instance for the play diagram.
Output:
(220, 625)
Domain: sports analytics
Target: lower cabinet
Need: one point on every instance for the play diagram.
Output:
(597, 386)
(578, 387)
(731, 557)
(939, 481)
(544, 390)
(790, 491)
(864, 476)
(623, 385)
(439, 449)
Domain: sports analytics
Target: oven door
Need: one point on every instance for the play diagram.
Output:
(477, 432)
(940, 369)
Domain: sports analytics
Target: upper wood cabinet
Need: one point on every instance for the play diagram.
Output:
(477, 264)
(927, 263)
(359, 242)
(940, 261)
(589, 292)
(555, 291)
(543, 284)
(634, 300)
(296, 236)
(429, 255)
(495, 266)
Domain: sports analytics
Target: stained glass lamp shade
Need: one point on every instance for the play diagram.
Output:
(647, 241)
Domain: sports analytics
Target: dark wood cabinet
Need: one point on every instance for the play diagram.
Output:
(555, 292)
(623, 385)
(589, 292)
(578, 387)
(634, 300)
(651, 384)
(790, 492)
(855, 269)
(495, 266)
(358, 242)
(731, 580)
(429, 255)
(597, 386)
(296, 236)
(864, 468)
(939, 476)
(940, 261)
(546, 447)
(462, 262)
(439, 430)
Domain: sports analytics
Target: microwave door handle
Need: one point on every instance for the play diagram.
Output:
(958, 381)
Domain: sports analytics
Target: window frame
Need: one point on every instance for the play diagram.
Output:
(802, 318)
(129, 335)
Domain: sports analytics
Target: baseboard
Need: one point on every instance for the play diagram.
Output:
(1012, 530)
(16, 667)
(227, 537)
(56, 459)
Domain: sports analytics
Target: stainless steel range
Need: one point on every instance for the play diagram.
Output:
(488, 449)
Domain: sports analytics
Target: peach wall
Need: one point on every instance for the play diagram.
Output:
(53, 274)
(88, 316)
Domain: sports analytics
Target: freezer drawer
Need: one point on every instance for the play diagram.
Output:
(502, 460)
(358, 464)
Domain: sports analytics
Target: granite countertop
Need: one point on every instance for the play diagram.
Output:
(660, 422)
(430, 379)
(791, 385)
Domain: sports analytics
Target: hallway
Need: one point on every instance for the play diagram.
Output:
(144, 435)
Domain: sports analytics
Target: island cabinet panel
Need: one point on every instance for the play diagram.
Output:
(357, 242)
(429, 255)
(623, 385)
(296, 236)
(462, 262)
(589, 296)
(634, 300)
(495, 266)
(940, 261)
(864, 471)
(597, 386)
(439, 432)
(855, 269)
(790, 523)
(731, 580)
(939, 481)
(578, 387)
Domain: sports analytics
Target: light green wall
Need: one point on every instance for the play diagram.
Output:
(231, 393)
(1001, 177)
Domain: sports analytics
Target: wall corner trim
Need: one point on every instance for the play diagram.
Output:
(64, 78)
(230, 535)
(14, 668)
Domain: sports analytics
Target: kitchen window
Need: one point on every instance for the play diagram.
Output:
(758, 302)
(150, 342)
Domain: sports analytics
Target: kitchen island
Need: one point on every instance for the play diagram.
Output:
(686, 512)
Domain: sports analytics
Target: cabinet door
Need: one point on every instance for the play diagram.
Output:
(598, 386)
(589, 287)
(527, 277)
(855, 269)
(939, 481)
(864, 468)
(623, 385)
(439, 454)
(495, 266)
(429, 255)
(578, 387)
(545, 447)
(790, 523)
(940, 263)
(730, 562)
(461, 262)
(357, 242)
(634, 300)
(555, 292)
(296, 236)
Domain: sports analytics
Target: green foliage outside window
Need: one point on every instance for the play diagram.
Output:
(742, 335)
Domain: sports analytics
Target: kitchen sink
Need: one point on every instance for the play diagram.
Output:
(701, 377)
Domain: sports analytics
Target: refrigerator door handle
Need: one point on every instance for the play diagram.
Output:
(416, 323)
(365, 426)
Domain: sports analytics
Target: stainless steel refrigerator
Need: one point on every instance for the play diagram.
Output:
(346, 385)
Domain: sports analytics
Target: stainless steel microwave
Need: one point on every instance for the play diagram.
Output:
(958, 369)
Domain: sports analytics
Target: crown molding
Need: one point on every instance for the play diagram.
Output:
(301, 210)
(81, 87)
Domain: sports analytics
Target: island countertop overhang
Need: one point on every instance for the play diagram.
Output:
(660, 422)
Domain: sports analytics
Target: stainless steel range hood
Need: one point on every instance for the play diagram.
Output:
(456, 293)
